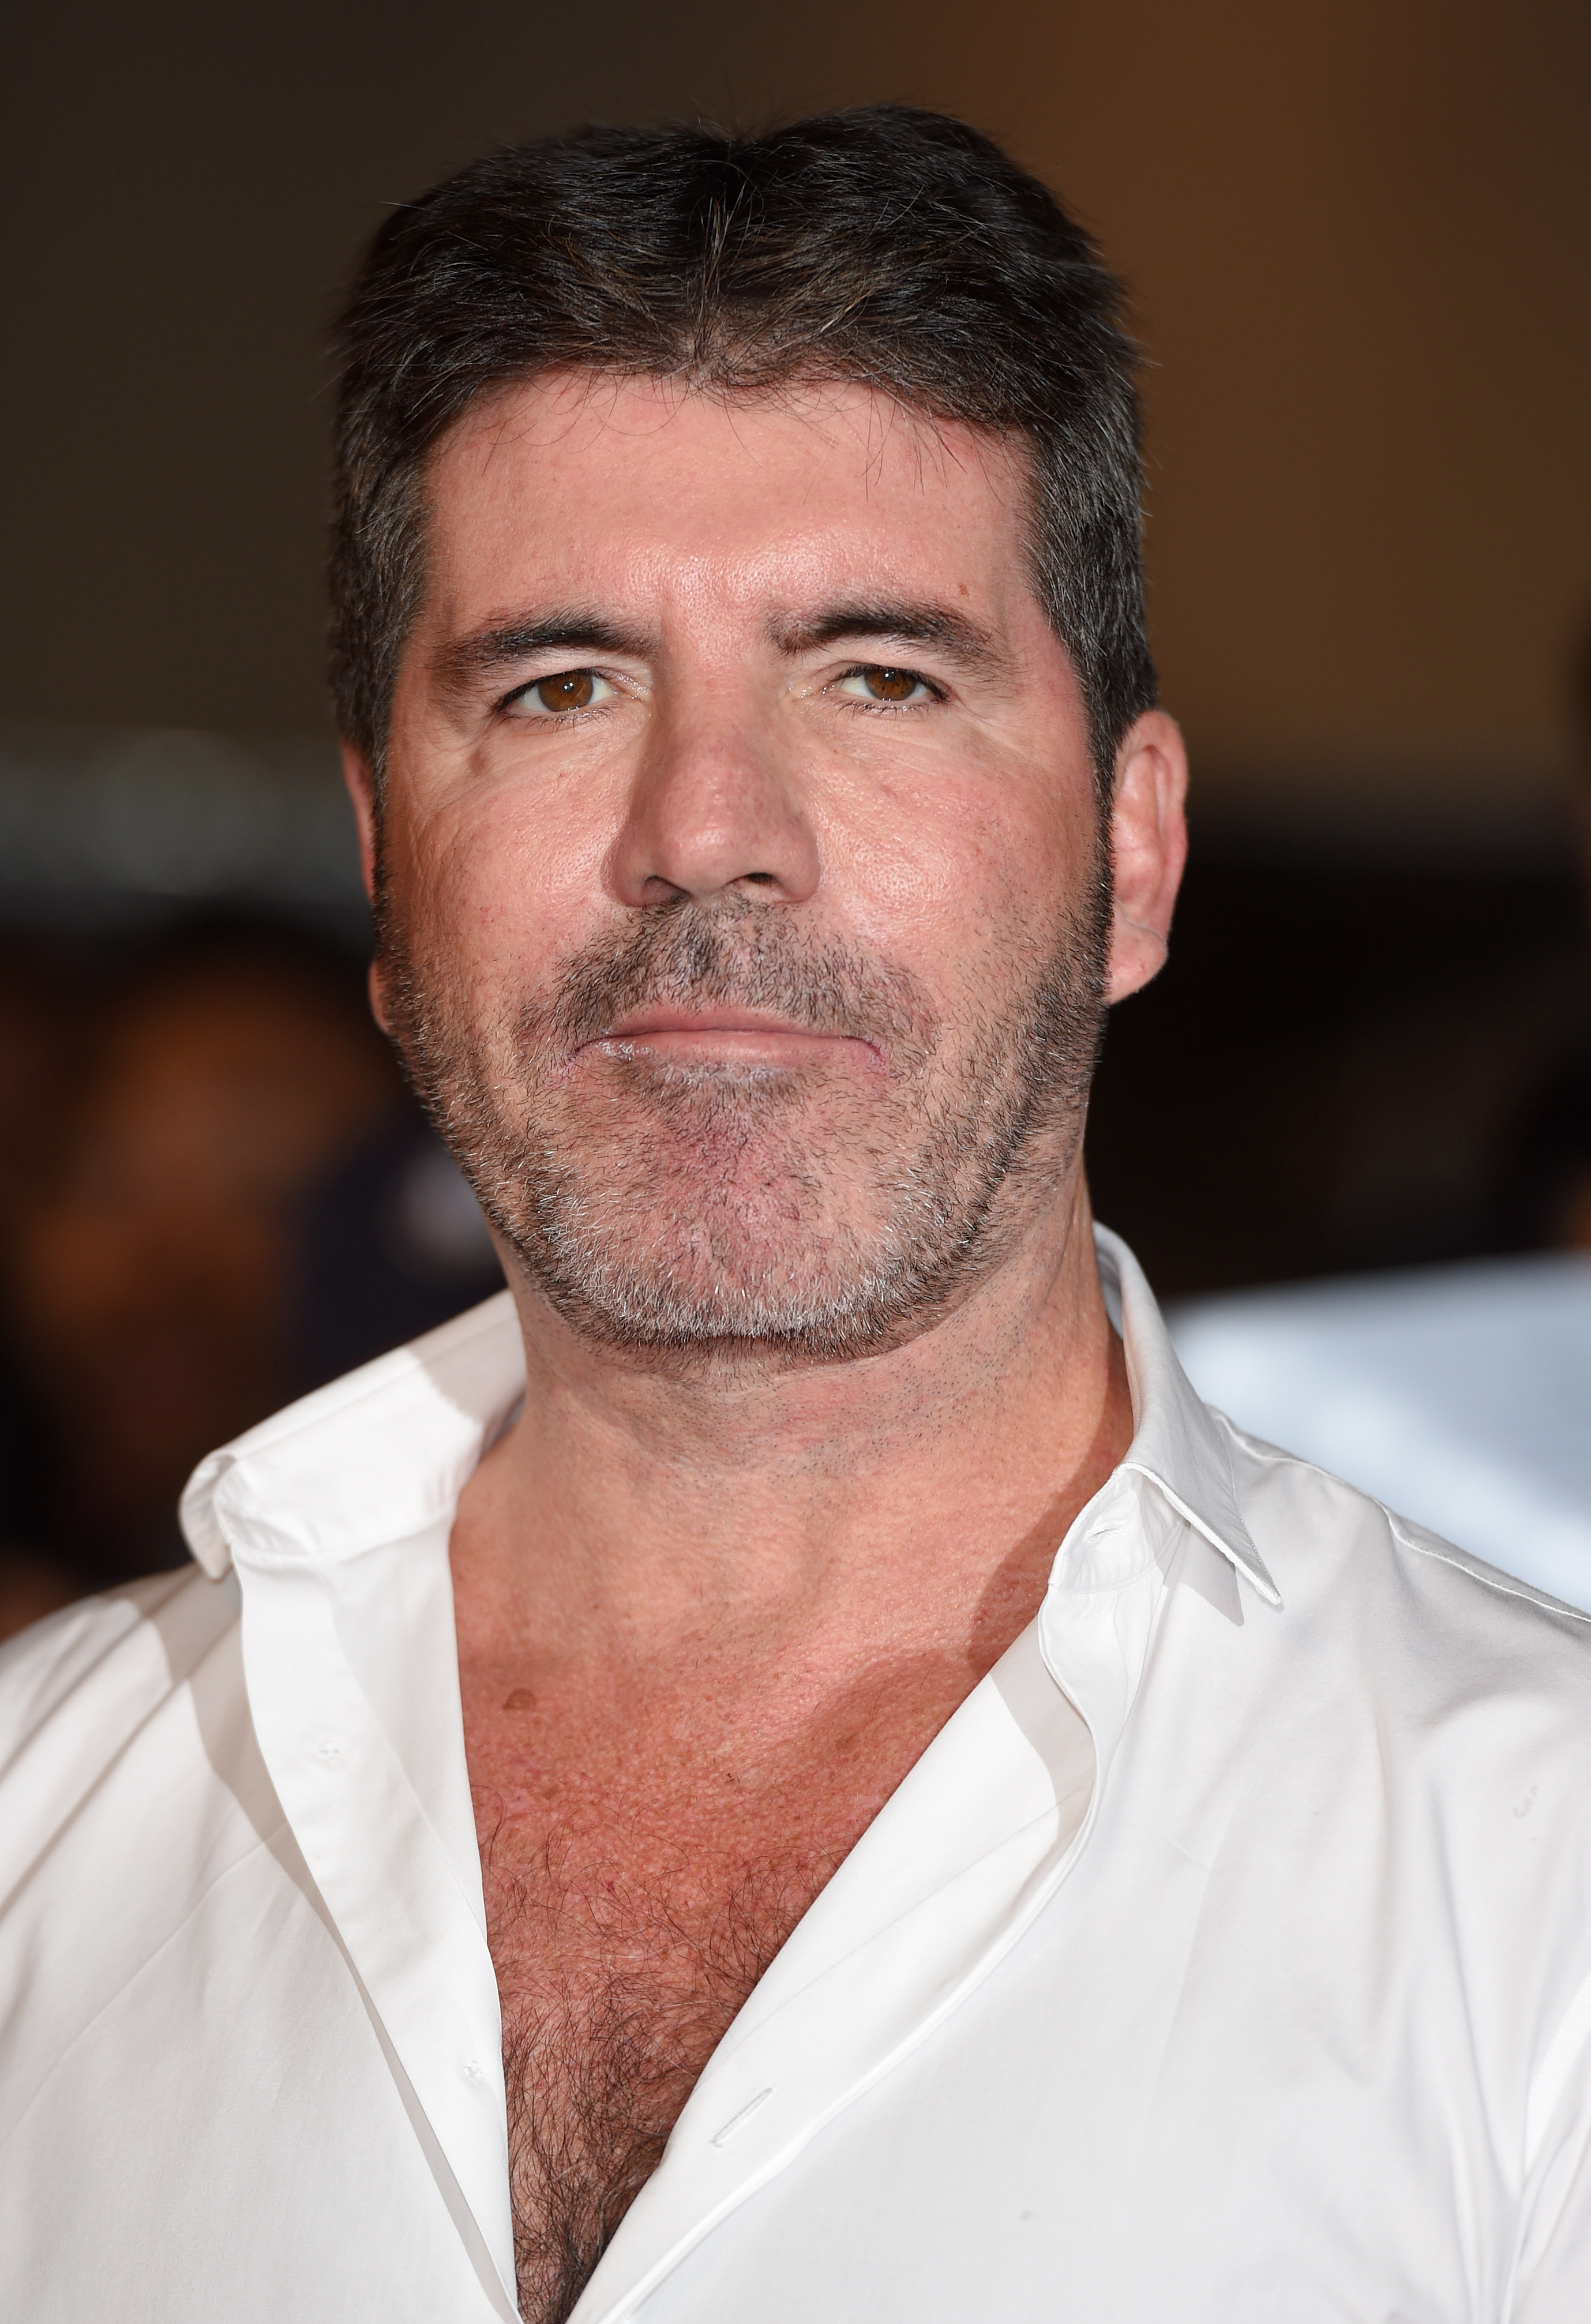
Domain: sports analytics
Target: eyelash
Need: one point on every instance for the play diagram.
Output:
(935, 693)
(859, 669)
(556, 717)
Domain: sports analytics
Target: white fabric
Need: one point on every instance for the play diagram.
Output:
(1266, 2000)
(1461, 1395)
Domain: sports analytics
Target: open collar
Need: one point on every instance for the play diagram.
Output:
(383, 1454)
(337, 1513)
(373, 1459)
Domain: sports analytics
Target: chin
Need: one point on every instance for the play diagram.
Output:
(691, 1288)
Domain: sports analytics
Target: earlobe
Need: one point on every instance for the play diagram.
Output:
(1149, 846)
(1156, 942)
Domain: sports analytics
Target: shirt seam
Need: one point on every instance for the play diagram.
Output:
(1499, 1585)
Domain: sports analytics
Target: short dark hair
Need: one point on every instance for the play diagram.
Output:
(886, 247)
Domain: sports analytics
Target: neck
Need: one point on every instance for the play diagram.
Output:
(908, 1500)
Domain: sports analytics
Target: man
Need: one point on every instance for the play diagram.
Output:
(957, 1829)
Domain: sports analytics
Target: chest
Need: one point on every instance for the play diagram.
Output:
(641, 1871)
(671, 1843)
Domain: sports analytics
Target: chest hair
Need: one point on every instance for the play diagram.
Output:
(618, 1978)
(638, 1882)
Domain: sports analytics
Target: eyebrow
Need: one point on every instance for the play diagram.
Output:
(580, 630)
(906, 621)
(575, 630)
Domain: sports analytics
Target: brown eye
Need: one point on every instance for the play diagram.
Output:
(571, 689)
(890, 685)
(878, 681)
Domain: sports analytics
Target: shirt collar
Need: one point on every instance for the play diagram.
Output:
(1178, 1442)
(338, 1512)
(383, 1454)
(371, 1459)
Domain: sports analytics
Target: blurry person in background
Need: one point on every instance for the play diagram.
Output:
(388, 1243)
(215, 1192)
(153, 1274)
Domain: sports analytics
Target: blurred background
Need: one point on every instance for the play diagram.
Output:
(1356, 238)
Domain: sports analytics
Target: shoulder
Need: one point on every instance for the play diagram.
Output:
(77, 1687)
(1439, 1705)
(1345, 1562)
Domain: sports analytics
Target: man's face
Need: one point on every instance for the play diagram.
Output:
(743, 908)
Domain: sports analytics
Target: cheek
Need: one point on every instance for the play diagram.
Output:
(954, 876)
(499, 884)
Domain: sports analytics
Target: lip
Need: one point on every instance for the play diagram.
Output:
(751, 1036)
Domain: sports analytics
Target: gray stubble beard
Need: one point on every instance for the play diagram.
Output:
(650, 1255)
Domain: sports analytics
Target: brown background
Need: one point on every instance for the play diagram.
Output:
(1358, 236)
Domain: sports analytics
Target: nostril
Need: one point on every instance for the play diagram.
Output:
(760, 879)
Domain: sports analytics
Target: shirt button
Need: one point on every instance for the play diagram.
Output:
(329, 1748)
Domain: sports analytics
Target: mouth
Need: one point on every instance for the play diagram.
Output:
(719, 1034)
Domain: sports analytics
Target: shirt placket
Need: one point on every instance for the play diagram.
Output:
(415, 1939)
(983, 1849)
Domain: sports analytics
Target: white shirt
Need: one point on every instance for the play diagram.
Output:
(1225, 1959)
(1461, 1393)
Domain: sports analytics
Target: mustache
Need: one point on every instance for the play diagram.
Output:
(735, 952)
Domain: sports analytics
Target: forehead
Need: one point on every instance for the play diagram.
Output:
(645, 484)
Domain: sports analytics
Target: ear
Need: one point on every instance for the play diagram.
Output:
(1149, 847)
(361, 783)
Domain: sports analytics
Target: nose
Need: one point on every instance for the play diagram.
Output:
(712, 810)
